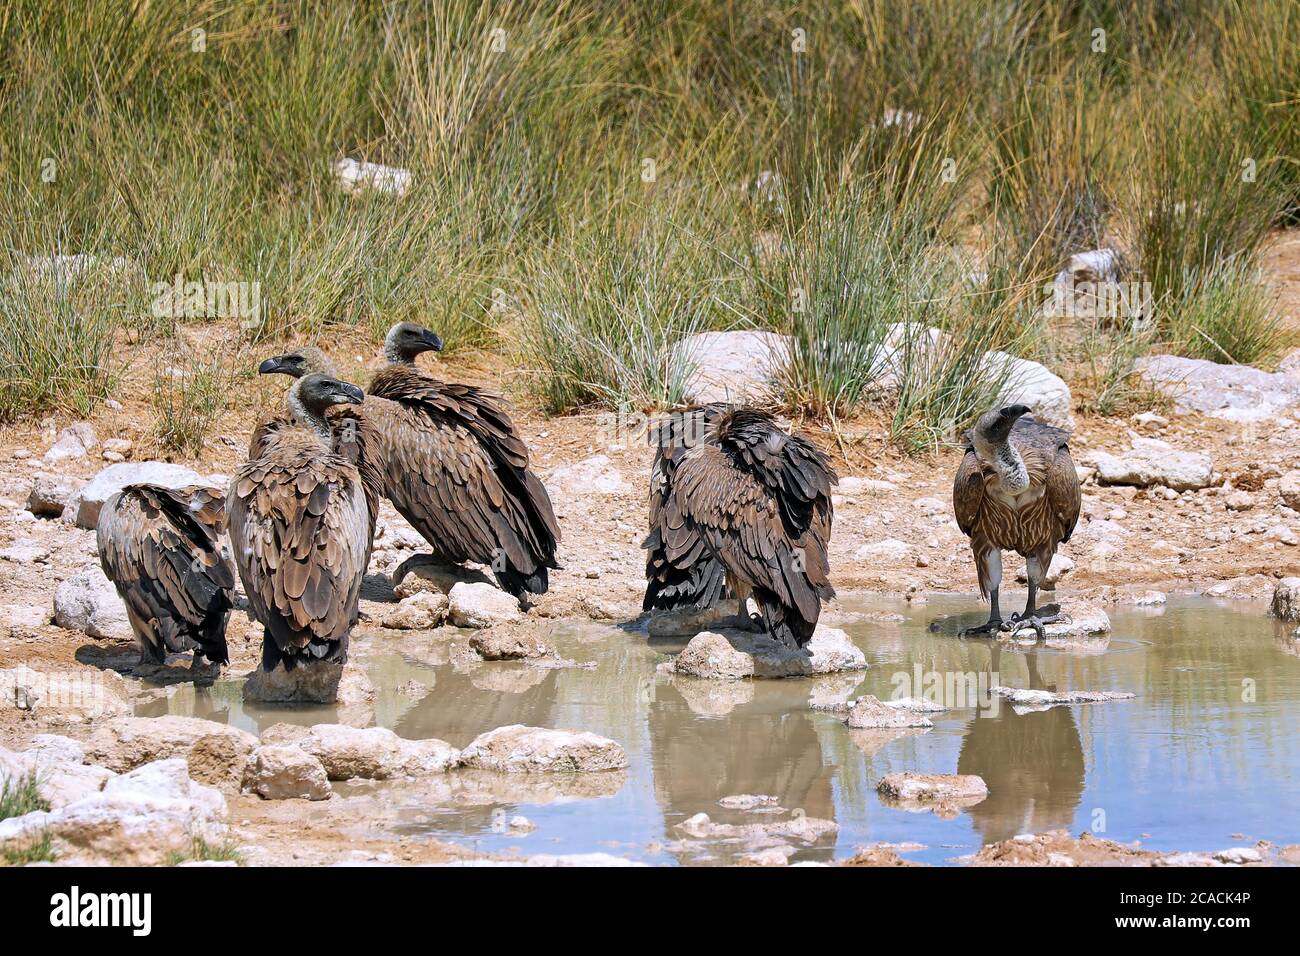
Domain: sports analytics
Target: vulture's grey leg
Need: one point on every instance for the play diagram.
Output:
(1031, 616)
(993, 571)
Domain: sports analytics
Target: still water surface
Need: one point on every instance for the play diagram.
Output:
(1209, 748)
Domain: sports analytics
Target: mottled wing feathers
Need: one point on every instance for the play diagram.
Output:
(457, 470)
(300, 530)
(161, 550)
(761, 503)
(694, 576)
(793, 469)
(1063, 492)
(968, 491)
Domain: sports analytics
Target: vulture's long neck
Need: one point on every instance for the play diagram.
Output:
(1006, 463)
(394, 357)
(313, 420)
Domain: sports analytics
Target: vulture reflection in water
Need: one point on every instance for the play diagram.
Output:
(1033, 764)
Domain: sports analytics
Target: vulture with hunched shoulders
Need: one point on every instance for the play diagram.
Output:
(759, 500)
(161, 549)
(300, 531)
(693, 577)
(1016, 490)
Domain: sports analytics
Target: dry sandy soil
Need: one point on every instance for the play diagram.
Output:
(1192, 543)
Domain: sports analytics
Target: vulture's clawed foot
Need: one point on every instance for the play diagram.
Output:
(1038, 621)
(989, 628)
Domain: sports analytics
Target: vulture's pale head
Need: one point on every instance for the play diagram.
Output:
(317, 392)
(304, 361)
(994, 426)
(406, 340)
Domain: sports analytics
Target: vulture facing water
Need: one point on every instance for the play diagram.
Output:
(693, 577)
(457, 470)
(160, 548)
(1016, 490)
(299, 529)
(760, 501)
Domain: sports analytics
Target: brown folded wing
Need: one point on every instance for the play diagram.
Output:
(160, 548)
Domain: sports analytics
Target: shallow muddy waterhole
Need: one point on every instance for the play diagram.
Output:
(1207, 754)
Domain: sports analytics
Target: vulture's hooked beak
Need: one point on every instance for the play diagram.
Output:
(272, 365)
(1011, 412)
(349, 394)
(432, 339)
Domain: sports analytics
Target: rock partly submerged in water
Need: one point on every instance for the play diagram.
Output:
(944, 793)
(509, 643)
(729, 654)
(520, 749)
(870, 713)
(320, 682)
(689, 621)
(1286, 600)
(1025, 699)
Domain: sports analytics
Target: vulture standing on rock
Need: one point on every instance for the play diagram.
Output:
(457, 470)
(760, 501)
(160, 548)
(1016, 490)
(693, 577)
(299, 529)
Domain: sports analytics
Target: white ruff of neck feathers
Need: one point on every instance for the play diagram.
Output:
(298, 410)
(1006, 462)
(391, 354)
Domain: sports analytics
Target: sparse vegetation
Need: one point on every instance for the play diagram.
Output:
(189, 393)
(20, 796)
(609, 172)
(201, 850)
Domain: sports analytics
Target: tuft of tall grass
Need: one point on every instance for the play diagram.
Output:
(1200, 196)
(1046, 183)
(607, 311)
(58, 323)
(20, 796)
(204, 850)
(190, 391)
(1228, 316)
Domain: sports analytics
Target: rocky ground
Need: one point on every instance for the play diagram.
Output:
(1200, 493)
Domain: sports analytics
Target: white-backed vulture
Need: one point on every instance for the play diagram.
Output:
(299, 530)
(694, 577)
(760, 501)
(1016, 490)
(457, 470)
(353, 438)
(161, 549)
